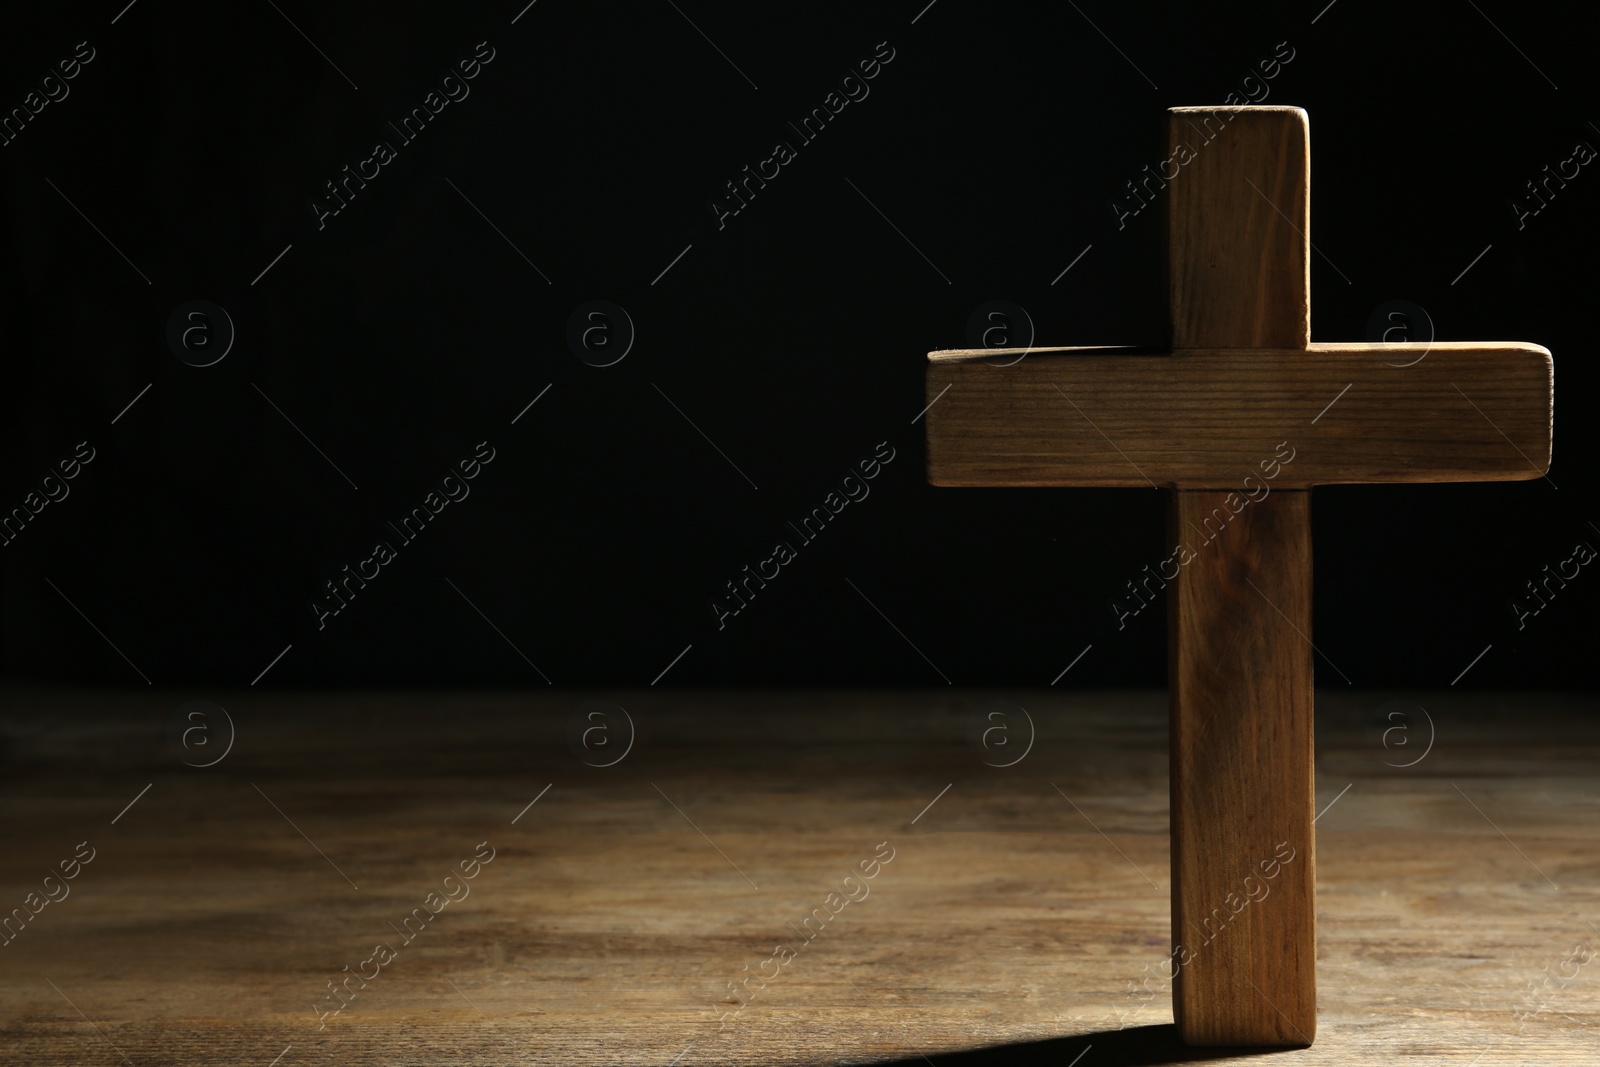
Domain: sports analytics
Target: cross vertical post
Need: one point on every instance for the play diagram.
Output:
(1239, 614)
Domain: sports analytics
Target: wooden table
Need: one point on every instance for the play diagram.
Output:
(1022, 908)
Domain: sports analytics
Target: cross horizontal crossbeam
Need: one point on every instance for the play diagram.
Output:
(1205, 418)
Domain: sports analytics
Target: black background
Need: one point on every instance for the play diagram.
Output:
(408, 329)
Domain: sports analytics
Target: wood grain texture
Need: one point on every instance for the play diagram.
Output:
(606, 930)
(1239, 219)
(1205, 418)
(1240, 683)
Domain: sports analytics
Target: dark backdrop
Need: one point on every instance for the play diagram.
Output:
(776, 352)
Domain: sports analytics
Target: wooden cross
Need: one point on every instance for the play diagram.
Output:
(1243, 392)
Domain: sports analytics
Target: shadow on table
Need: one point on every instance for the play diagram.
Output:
(1136, 1046)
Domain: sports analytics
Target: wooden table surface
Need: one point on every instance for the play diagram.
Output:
(1458, 901)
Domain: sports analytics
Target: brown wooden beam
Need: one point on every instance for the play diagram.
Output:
(1205, 418)
(1243, 872)
(1239, 225)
